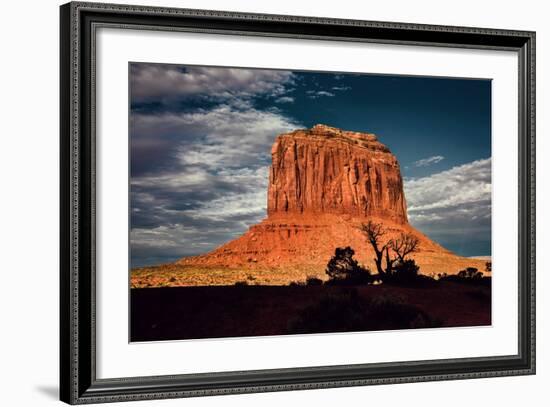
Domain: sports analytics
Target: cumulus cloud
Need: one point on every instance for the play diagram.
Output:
(162, 81)
(466, 183)
(223, 136)
(425, 162)
(451, 203)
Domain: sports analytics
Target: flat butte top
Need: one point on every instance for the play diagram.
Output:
(324, 132)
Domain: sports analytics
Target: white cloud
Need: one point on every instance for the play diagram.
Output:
(285, 99)
(252, 203)
(463, 184)
(234, 138)
(162, 81)
(425, 162)
(341, 88)
(453, 206)
(195, 176)
(222, 136)
(314, 94)
(250, 197)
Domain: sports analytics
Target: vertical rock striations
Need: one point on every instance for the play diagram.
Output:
(328, 170)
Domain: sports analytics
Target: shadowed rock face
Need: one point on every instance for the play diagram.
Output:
(328, 170)
(323, 184)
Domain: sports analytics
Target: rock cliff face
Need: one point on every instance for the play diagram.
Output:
(328, 170)
(323, 184)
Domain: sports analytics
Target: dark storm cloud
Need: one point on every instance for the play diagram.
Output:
(232, 134)
(224, 194)
(165, 82)
(196, 209)
(199, 174)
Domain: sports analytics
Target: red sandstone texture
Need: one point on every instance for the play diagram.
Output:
(323, 183)
(327, 170)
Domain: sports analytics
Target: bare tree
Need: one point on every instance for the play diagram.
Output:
(406, 244)
(389, 261)
(374, 233)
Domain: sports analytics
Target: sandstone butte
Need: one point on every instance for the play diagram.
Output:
(323, 183)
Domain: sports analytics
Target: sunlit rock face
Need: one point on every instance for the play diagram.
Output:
(327, 170)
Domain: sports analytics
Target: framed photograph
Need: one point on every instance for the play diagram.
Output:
(255, 203)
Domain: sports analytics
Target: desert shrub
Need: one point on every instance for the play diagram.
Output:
(343, 269)
(342, 264)
(406, 269)
(312, 280)
(241, 283)
(297, 284)
(347, 311)
(470, 275)
(406, 273)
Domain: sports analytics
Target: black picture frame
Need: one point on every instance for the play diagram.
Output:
(78, 381)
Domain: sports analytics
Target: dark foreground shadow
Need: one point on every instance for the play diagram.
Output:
(234, 311)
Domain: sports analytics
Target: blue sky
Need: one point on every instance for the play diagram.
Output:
(200, 141)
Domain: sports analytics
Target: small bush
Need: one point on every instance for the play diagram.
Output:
(470, 275)
(343, 269)
(241, 284)
(406, 273)
(312, 280)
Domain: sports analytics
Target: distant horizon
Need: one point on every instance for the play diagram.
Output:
(200, 140)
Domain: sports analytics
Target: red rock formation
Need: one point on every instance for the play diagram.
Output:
(328, 170)
(323, 184)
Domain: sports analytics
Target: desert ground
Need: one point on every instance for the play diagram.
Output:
(248, 310)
